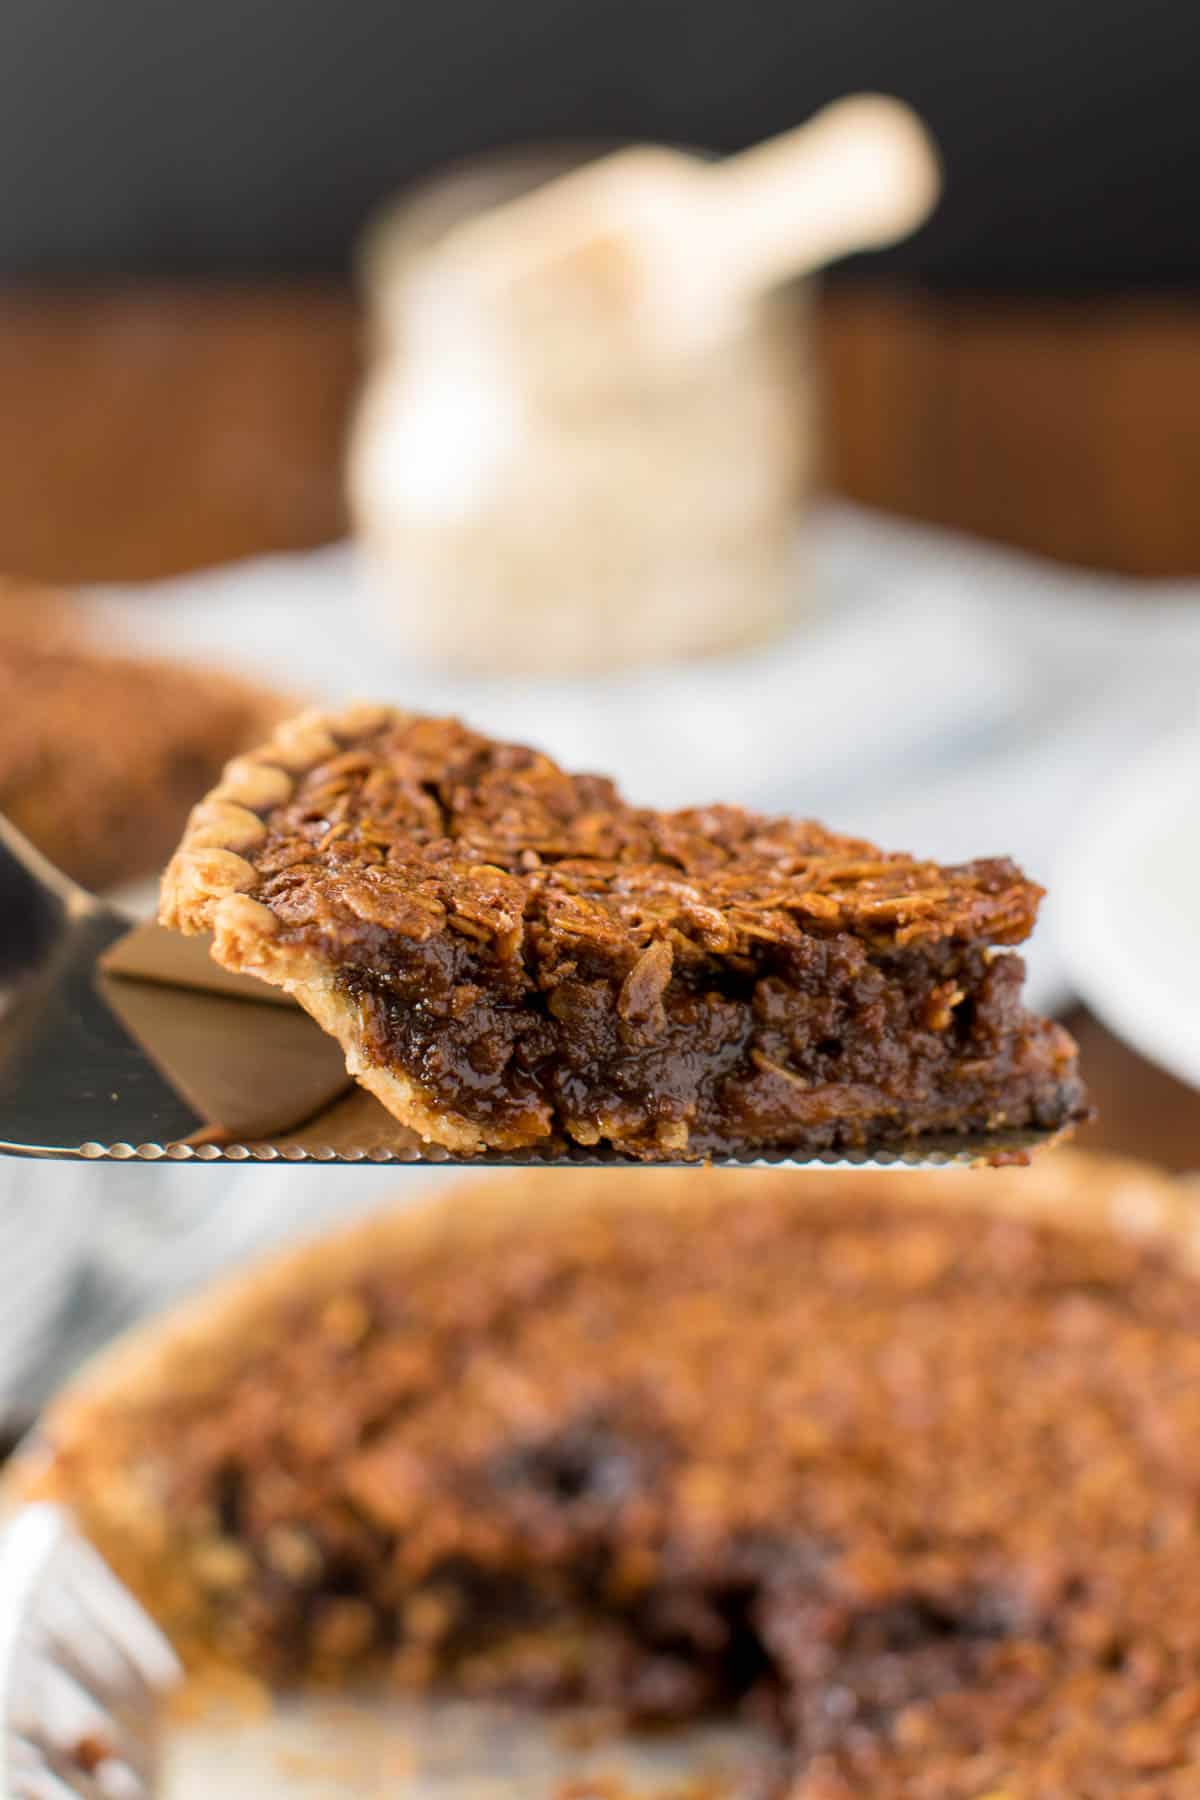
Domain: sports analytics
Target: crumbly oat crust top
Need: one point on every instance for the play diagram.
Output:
(380, 821)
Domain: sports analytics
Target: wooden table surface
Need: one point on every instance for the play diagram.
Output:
(144, 431)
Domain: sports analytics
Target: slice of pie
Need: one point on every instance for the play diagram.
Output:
(102, 755)
(908, 1464)
(511, 955)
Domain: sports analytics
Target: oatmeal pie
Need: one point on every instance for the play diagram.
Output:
(511, 955)
(907, 1464)
(102, 755)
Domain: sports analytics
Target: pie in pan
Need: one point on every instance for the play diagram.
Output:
(102, 754)
(514, 956)
(906, 1464)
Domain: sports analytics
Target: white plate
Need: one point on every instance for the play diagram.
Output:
(1128, 895)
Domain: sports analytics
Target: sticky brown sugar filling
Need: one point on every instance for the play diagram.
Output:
(818, 1044)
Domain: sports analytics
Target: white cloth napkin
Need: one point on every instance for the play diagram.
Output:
(935, 694)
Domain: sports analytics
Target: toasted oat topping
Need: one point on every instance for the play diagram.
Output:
(427, 825)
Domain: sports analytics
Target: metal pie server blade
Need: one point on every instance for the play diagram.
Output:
(78, 1081)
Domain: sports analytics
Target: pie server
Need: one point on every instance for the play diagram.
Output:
(77, 1080)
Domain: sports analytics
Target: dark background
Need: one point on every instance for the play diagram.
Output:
(231, 136)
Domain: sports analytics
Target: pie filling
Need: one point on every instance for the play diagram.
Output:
(822, 1045)
(757, 1628)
